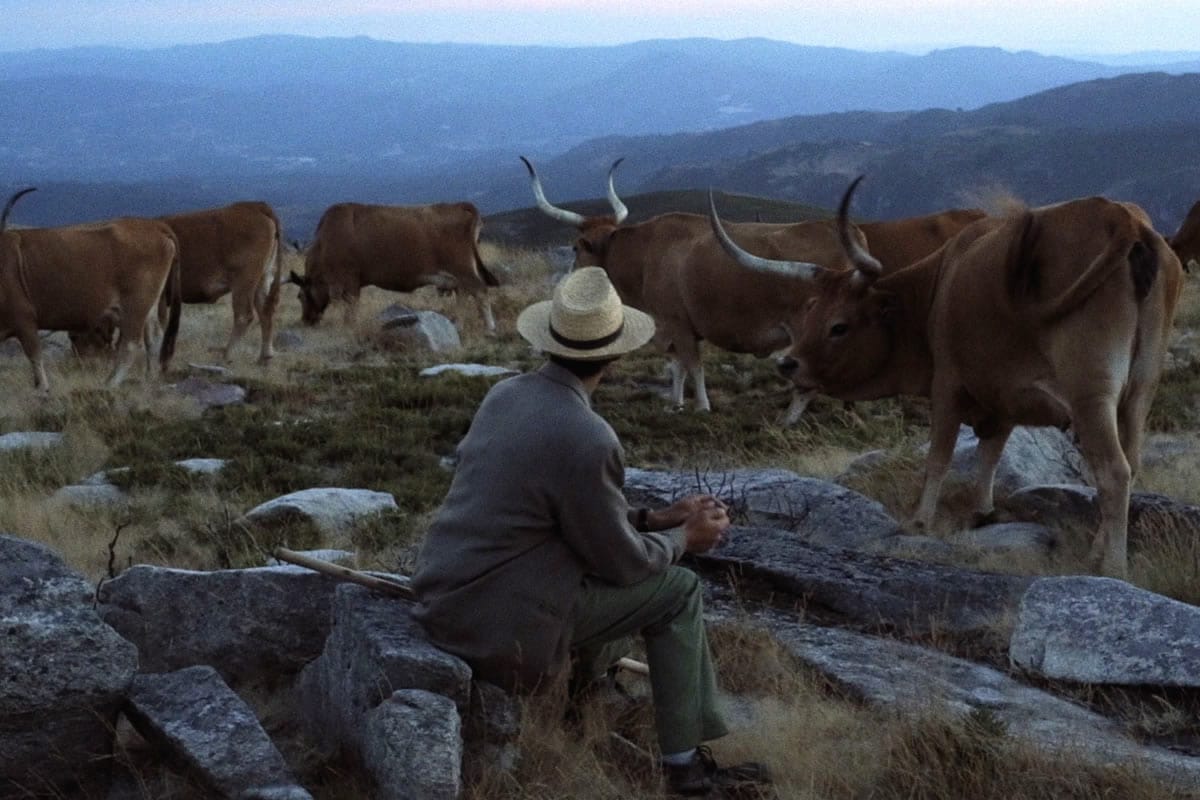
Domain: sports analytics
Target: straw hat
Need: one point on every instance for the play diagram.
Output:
(585, 320)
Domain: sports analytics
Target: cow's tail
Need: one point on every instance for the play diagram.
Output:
(272, 301)
(1025, 270)
(174, 294)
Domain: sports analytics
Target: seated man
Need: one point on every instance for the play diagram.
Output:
(535, 555)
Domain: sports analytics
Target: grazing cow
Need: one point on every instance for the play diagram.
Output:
(672, 268)
(233, 250)
(1056, 315)
(88, 277)
(1186, 241)
(399, 248)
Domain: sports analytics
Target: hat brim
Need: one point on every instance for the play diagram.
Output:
(534, 326)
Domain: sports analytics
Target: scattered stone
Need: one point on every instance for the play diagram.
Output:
(210, 394)
(94, 495)
(413, 747)
(394, 312)
(210, 369)
(63, 675)
(202, 466)
(374, 649)
(36, 440)
(333, 510)
(194, 716)
(423, 330)
(246, 623)
(470, 370)
(1105, 631)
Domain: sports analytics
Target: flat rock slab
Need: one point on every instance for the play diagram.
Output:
(247, 623)
(333, 510)
(871, 590)
(192, 714)
(469, 370)
(1106, 631)
(818, 511)
(29, 440)
(413, 747)
(916, 680)
(63, 672)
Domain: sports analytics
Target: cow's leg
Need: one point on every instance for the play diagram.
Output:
(987, 459)
(1096, 425)
(677, 379)
(31, 343)
(943, 432)
(701, 389)
(242, 300)
(485, 309)
(797, 407)
(265, 309)
(126, 351)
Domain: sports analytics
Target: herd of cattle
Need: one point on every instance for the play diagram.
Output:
(1056, 315)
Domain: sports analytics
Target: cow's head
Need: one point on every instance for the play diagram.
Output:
(842, 334)
(594, 232)
(314, 297)
(1186, 241)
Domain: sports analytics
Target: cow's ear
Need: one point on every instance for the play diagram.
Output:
(584, 246)
(299, 280)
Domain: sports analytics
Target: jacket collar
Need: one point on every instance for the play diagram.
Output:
(563, 376)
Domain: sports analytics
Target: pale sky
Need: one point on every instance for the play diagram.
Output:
(1068, 27)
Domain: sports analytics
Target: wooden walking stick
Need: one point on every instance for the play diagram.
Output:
(392, 587)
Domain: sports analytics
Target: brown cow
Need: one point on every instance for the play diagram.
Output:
(1050, 316)
(399, 248)
(233, 250)
(672, 268)
(900, 242)
(88, 277)
(1186, 241)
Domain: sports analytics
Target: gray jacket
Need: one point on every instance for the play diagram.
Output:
(535, 505)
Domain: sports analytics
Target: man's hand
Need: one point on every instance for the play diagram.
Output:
(681, 510)
(703, 529)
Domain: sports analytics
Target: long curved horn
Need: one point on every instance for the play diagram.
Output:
(620, 212)
(800, 270)
(864, 262)
(12, 201)
(560, 214)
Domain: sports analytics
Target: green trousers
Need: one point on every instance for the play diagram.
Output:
(667, 610)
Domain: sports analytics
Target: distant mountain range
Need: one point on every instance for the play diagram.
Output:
(305, 122)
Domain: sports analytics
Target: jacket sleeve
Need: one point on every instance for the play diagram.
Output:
(593, 516)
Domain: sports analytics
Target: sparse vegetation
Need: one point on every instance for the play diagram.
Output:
(343, 409)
